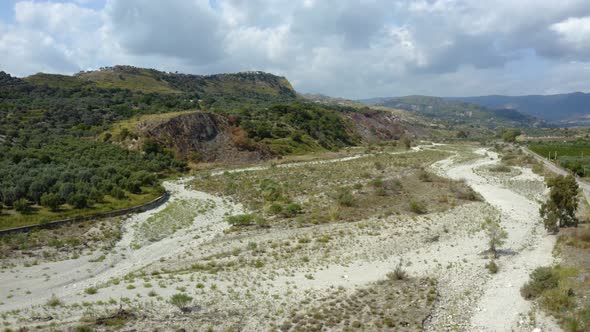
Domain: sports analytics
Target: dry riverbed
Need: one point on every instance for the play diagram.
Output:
(329, 276)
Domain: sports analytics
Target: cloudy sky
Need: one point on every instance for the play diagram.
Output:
(352, 49)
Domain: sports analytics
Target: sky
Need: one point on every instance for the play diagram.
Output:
(351, 49)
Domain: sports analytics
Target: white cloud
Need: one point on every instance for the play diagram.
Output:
(57, 18)
(186, 29)
(574, 34)
(352, 48)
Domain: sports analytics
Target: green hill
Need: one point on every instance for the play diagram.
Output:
(99, 140)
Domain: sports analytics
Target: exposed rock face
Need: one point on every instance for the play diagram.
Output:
(373, 125)
(203, 136)
(212, 137)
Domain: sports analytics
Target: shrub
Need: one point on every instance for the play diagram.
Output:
(51, 201)
(91, 290)
(542, 279)
(424, 176)
(500, 168)
(117, 193)
(272, 191)
(462, 191)
(291, 210)
(398, 274)
(21, 205)
(96, 195)
(417, 207)
(492, 267)
(241, 220)
(557, 299)
(379, 166)
(377, 183)
(344, 197)
(275, 208)
(181, 301)
(78, 201)
(260, 221)
(54, 301)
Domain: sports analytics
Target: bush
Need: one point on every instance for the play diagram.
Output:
(500, 168)
(54, 301)
(117, 193)
(542, 279)
(417, 207)
(376, 183)
(492, 267)
(21, 205)
(181, 301)
(557, 299)
(275, 208)
(241, 220)
(78, 201)
(424, 175)
(50, 201)
(91, 290)
(462, 191)
(291, 210)
(344, 197)
(398, 274)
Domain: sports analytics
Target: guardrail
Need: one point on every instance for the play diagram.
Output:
(53, 224)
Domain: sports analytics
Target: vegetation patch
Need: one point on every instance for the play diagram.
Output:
(563, 290)
(573, 155)
(65, 242)
(390, 305)
(176, 215)
(350, 190)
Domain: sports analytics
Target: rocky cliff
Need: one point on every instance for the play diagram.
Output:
(208, 137)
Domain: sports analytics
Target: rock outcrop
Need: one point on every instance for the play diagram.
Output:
(208, 137)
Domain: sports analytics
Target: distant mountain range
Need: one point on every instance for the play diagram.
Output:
(563, 109)
(456, 112)
(570, 109)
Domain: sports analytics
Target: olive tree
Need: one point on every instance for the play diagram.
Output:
(51, 201)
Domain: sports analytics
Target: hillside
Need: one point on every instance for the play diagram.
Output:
(456, 113)
(99, 140)
(563, 109)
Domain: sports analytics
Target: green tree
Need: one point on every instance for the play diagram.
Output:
(51, 201)
(510, 135)
(78, 201)
(560, 208)
(496, 235)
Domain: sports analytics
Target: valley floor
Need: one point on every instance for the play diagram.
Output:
(292, 278)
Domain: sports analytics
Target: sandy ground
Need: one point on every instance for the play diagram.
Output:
(447, 246)
(69, 278)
